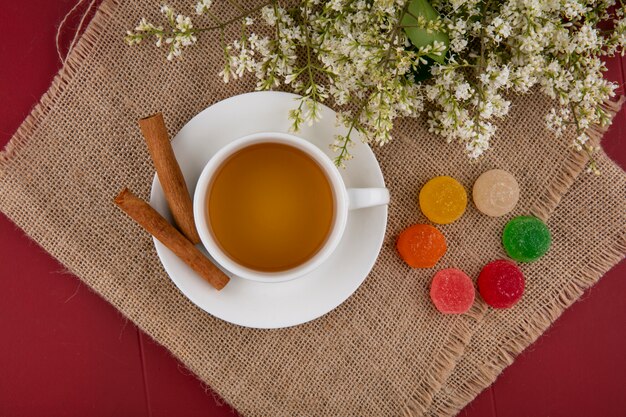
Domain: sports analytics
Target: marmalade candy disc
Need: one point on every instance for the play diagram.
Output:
(526, 238)
(495, 193)
(452, 291)
(421, 245)
(501, 284)
(443, 200)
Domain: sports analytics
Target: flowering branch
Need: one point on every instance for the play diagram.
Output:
(181, 32)
(371, 57)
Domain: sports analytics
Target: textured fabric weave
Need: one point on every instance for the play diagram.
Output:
(386, 351)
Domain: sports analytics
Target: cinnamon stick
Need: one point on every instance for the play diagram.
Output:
(148, 218)
(169, 173)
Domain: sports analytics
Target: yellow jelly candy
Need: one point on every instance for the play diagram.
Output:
(443, 200)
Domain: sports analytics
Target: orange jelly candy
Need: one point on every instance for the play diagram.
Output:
(443, 200)
(421, 246)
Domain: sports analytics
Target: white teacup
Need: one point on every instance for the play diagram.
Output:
(345, 199)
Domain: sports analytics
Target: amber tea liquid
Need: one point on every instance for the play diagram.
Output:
(270, 207)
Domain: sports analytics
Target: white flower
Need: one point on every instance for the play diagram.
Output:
(202, 6)
(463, 91)
(572, 9)
(267, 13)
(183, 23)
(458, 44)
(580, 141)
(586, 39)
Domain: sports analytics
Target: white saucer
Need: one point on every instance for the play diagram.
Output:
(262, 305)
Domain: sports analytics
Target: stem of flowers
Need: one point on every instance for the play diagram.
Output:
(479, 69)
(309, 65)
(354, 121)
(243, 15)
(214, 18)
(593, 167)
(237, 5)
(343, 149)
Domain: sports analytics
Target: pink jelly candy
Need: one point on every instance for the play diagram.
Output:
(452, 291)
(501, 284)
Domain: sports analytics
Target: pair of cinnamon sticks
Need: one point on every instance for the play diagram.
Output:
(177, 195)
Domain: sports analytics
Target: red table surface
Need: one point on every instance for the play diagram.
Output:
(64, 351)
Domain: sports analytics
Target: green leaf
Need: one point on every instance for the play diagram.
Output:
(420, 37)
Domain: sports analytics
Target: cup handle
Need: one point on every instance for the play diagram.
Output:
(367, 197)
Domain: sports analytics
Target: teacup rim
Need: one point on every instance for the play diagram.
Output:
(202, 223)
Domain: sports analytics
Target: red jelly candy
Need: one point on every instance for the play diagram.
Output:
(501, 284)
(452, 291)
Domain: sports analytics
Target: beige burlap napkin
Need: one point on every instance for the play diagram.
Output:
(386, 351)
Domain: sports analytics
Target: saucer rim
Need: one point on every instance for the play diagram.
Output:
(283, 322)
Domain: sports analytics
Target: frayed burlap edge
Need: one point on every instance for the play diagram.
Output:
(60, 82)
(572, 166)
(544, 206)
(444, 363)
(530, 330)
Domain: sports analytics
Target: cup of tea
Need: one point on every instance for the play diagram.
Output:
(272, 207)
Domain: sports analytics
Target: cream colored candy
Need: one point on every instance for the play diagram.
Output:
(495, 193)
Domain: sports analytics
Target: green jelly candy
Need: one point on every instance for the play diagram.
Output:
(526, 238)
